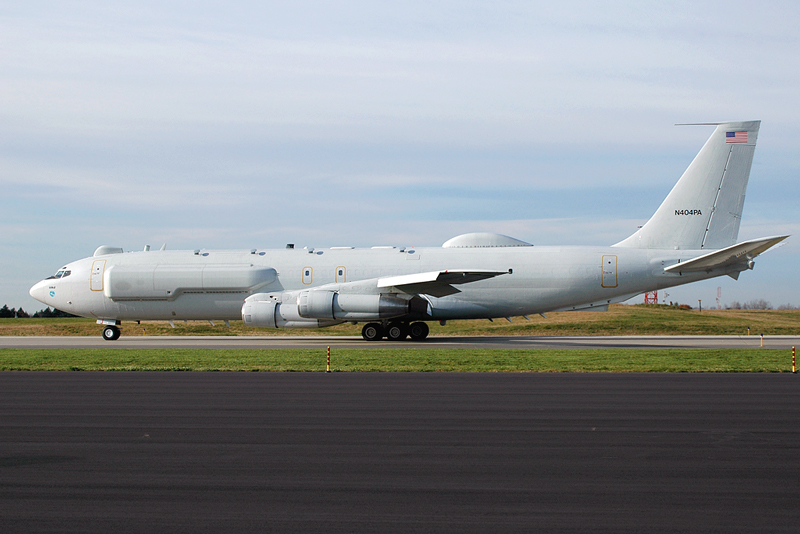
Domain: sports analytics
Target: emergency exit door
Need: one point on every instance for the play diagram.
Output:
(609, 277)
(98, 266)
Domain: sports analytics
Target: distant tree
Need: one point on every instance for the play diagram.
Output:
(6, 313)
(22, 314)
(48, 313)
(787, 307)
(757, 304)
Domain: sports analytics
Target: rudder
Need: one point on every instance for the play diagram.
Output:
(704, 209)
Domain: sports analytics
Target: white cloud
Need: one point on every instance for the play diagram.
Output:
(256, 123)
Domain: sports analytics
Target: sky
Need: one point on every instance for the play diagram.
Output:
(256, 124)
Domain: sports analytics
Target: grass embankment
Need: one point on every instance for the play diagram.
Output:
(619, 320)
(410, 360)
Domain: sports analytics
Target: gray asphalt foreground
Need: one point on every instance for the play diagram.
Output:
(385, 452)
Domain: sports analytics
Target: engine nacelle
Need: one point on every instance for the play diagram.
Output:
(266, 311)
(323, 304)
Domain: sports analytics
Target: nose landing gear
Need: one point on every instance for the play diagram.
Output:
(111, 333)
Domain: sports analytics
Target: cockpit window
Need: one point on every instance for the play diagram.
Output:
(62, 273)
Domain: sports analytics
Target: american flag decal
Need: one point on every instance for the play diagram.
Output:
(735, 137)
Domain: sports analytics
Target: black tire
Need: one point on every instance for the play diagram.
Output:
(418, 331)
(372, 332)
(111, 333)
(397, 331)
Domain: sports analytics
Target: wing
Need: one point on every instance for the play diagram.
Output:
(436, 283)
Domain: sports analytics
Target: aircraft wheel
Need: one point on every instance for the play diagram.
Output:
(372, 332)
(396, 331)
(111, 333)
(418, 331)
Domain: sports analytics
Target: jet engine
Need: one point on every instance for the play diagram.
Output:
(277, 311)
(322, 304)
(318, 308)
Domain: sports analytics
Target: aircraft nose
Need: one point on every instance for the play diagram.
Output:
(39, 291)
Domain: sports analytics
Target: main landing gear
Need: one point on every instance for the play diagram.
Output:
(111, 333)
(395, 331)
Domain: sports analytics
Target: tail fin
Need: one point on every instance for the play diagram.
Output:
(704, 209)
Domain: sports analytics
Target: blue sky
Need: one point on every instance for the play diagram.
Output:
(255, 124)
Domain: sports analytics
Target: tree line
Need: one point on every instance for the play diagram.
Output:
(13, 313)
(757, 304)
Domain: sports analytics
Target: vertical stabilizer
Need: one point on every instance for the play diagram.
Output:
(704, 209)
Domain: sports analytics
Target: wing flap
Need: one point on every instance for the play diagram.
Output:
(741, 253)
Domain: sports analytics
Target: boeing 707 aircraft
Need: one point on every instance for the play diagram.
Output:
(692, 236)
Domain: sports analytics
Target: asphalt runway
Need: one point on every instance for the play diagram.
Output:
(457, 342)
(386, 452)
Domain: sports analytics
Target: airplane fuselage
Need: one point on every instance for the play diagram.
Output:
(154, 285)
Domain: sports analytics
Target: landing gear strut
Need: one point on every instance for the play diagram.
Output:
(111, 333)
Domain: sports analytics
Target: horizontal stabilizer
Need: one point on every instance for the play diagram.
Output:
(741, 254)
(436, 283)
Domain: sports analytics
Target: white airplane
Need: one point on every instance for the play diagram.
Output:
(691, 237)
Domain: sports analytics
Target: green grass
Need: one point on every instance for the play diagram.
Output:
(410, 360)
(619, 320)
